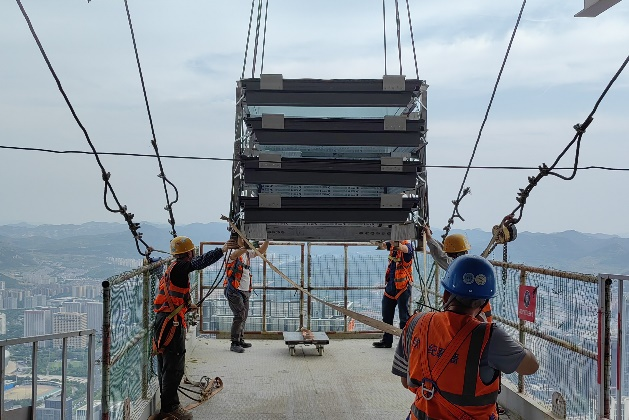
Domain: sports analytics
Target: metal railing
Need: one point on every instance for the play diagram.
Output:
(30, 412)
(127, 333)
(350, 280)
(564, 336)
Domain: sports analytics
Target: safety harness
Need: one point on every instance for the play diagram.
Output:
(428, 385)
(164, 338)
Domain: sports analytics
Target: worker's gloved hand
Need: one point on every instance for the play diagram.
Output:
(192, 307)
(427, 232)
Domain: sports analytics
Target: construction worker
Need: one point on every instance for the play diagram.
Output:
(450, 359)
(238, 290)
(171, 304)
(398, 285)
(453, 247)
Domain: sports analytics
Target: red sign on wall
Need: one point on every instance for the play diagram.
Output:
(526, 303)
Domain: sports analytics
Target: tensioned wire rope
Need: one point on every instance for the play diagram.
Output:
(545, 170)
(122, 209)
(462, 190)
(127, 154)
(161, 174)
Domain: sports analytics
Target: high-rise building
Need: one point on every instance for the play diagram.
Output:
(2, 284)
(10, 302)
(3, 324)
(52, 409)
(81, 413)
(35, 322)
(67, 322)
(94, 312)
(71, 306)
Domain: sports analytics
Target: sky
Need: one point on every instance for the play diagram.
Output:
(192, 55)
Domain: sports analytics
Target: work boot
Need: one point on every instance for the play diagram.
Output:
(382, 345)
(244, 345)
(180, 414)
(236, 347)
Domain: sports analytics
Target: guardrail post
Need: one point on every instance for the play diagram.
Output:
(301, 294)
(521, 332)
(264, 287)
(64, 375)
(33, 380)
(3, 364)
(106, 358)
(309, 285)
(146, 281)
(607, 351)
(345, 280)
(90, 376)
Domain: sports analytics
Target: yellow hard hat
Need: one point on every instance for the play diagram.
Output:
(181, 245)
(456, 243)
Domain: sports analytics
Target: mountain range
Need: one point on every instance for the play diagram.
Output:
(95, 247)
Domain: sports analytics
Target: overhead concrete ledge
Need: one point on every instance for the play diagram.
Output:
(522, 405)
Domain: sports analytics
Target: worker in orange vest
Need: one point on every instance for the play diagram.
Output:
(172, 302)
(238, 286)
(398, 281)
(450, 359)
(453, 247)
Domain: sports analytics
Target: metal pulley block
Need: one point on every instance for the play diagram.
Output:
(504, 233)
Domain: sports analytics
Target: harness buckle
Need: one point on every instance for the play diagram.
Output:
(428, 392)
(175, 323)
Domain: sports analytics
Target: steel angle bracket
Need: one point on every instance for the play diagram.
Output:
(391, 201)
(269, 160)
(273, 121)
(391, 164)
(394, 123)
(272, 201)
(395, 83)
(271, 82)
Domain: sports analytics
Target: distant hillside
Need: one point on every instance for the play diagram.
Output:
(86, 247)
(569, 250)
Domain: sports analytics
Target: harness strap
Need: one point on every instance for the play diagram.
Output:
(397, 295)
(157, 348)
(432, 375)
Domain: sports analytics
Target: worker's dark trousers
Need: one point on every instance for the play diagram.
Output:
(170, 365)
(239, 304)
(388, 312)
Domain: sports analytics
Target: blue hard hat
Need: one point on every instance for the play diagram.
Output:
(470, 276)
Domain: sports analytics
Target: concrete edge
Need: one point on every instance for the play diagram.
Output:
(522, 405)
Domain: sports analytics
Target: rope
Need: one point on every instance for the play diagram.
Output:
(384, 31)
(410, 25)
(255, 48)
(244, 62)
(133, 227)
(399, 40)
(84, 152)
(544, 170)
(161, 175)
(455, 211)
(266, 13)
(380, 325)
(549, 170)
(216, 281)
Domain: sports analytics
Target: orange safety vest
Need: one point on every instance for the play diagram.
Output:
(234, 270)
(403, 272)
(170, 299)
(444, 354)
